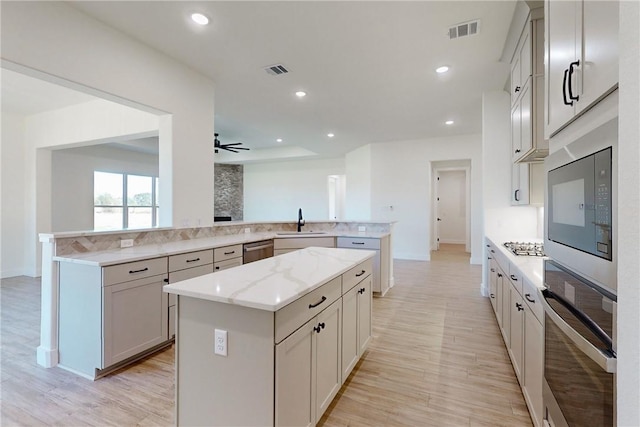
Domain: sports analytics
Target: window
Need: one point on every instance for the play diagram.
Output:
(113, 211)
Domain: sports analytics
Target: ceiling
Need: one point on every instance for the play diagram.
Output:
(368, 67)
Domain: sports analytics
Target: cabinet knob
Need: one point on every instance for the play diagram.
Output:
(519, 306)
(493, 296)
(517, 150)
(517, 89)
(361, 290)
(499, 274)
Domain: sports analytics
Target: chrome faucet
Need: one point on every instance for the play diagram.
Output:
(300, 220)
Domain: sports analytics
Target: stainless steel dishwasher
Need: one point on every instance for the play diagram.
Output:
(257, 250)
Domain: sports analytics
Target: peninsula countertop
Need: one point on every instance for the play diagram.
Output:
(272, 283)
(137, 253)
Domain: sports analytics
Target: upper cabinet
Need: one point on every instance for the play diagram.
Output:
(528, 143)
(581, 53)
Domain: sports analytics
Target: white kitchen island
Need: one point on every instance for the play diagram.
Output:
(295, 325)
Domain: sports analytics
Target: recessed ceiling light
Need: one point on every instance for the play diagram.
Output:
(448, 122)
(279, 140)
(330, 135)
(199, 18)
(301, 94)
(442, 69)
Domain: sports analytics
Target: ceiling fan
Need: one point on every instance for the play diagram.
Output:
(229, 147)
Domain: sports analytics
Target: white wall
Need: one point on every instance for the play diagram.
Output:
(72, 180)
(53, 41)
(401, 190)
(358, 186)
(12, 197)
(628, 377)
(275, 191)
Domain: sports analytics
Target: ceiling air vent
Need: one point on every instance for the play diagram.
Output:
(276, 70)
(464, 29)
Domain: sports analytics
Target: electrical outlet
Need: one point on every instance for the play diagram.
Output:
(247, 230)
(220, 344)
(362, 228)
(126, 243)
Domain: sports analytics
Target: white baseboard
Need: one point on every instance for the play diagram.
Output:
(5, 274)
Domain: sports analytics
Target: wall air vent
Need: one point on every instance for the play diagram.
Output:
(464, 29)
(276, 70)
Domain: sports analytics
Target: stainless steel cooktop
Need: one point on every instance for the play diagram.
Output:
(525, 248)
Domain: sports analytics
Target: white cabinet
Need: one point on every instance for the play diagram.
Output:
(110, 315)
(527, 94)
(527, 184)
(516, 329)
(200, 263)
(381, 261)
(227, 257)
(290, 244)
(308, 369)
(356, 324)
(533, 352)
(581, 58)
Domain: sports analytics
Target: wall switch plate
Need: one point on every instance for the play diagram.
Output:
(247, 230)
(362, 228)
(126, 243)
(220, 342)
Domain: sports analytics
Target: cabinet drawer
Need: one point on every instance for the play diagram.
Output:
(133, 270)
(227, 252)
(230, 263)
(532, 299)
(304, 242)
(296, 314)
(191, 259)
(516, 277)
(188, 273)
(358, 243)
(356, 275)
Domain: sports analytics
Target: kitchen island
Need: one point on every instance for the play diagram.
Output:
(271, 342)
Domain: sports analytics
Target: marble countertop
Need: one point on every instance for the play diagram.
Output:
(137, 253)
(272, 283)
(531, 267)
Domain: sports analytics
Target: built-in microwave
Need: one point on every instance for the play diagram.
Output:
(580, 208)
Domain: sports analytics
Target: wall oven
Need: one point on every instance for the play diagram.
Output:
(580, 350)
(581, 199)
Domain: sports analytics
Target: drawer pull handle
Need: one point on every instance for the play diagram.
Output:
(499, 275)
(492, 251)
(493, 296)
(193, 260)
(361, 291)
(357, 243)
(318, 303)
(138, 271)
(528, 298)
(230, 253)
(489, 257)
(493, 270)
(165, 280)
(360, 274)
(217, 267)
(513, 277)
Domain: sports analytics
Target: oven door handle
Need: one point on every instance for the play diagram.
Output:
(607, 363)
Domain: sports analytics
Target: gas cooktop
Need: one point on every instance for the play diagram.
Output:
(525, 248)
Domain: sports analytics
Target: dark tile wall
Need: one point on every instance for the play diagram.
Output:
(228, 192)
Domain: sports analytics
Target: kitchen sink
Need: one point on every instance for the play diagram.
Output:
(299, 233)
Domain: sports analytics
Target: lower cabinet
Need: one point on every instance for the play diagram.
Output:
(516, 331)
(177, 276)
(505, 309)
(356, 324)
(308, 373)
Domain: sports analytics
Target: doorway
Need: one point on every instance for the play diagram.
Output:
(451, 206)
(336, 186)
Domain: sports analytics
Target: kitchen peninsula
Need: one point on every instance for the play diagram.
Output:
(282, 333)
(88, 274)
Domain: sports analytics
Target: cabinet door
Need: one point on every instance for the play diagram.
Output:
(520, 184)
(526, 129)
(499, 285)
(328, 340)
(493, 276)
(506, 310)
(350, 343)
(516, 132)
(600, 61)
(561, 30)
(533, 365)
(293, 405)
(135, 318)
(364, 314)
(516, 331)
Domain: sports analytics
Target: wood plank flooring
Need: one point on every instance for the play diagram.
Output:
(437, 358)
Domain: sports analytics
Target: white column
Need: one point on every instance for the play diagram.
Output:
(47, 352)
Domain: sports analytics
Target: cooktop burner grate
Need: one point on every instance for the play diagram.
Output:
(525, 248)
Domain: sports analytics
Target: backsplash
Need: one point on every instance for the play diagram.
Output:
(89, 242)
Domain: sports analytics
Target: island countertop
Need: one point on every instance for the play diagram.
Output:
(272, 283)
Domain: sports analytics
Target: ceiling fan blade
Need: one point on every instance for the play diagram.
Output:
(233, 143)
(230, 149)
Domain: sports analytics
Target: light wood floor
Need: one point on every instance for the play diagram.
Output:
(437, 358)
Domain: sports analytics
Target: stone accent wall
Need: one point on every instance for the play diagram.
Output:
(228, 192)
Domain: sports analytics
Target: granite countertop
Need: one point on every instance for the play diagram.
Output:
(272, 283)
(137, 253)
(531, 267)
